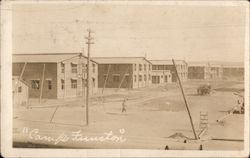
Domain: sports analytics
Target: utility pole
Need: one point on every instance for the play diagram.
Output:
(185, 101)
(89, 42)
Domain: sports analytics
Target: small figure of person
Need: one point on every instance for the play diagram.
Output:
(124, 105)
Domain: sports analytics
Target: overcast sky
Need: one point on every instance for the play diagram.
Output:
(161, 32)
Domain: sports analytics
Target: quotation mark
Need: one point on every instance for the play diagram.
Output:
(25, 130)
(122, 131)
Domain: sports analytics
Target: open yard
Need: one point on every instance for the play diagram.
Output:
(153, 114)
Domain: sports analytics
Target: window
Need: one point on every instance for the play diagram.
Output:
(161, 76)
(166, 78)
(84, 82)
(62, 84)
(49, 84)
(140, 67)
(93, 66)
(135, 66)
(116, 78)
(35, 84)
(145, 67)
(149, 67)
(145, 77)
(154, 67)
(84, 68)
(73, 68)
(93, 80)
(73, 83)
(149, 77)
(135, 78)
(165, 67)
(140, 77)
(20, 89)
(62, 67)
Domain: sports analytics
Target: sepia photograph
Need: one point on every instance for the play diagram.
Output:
(137, 78)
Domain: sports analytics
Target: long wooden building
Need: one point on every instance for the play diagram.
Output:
(168, 66)
(123, 72)
(55, 75)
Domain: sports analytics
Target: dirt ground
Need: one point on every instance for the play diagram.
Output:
(152, 115)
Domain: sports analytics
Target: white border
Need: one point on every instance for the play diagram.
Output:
(6, 102)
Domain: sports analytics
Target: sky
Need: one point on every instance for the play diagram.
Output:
(193, 33)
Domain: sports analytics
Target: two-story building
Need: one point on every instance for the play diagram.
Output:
(205, 70)
(167, 67)
(123, 72)
(55, 75)
(233, 71)
(198, 70)
(216, 70)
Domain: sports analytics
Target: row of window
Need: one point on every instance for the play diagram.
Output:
(140, 78)
(74, 83)
(141, 67)
(35, 84)
(117, 67)
(74, 68)
(168, 67)
(117, 78)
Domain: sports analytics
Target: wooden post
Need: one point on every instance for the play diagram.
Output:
(54, 114)
(41, 91)
(131, 81)
(106, 79)
(123, 78)
(182, 91)
(21, 76)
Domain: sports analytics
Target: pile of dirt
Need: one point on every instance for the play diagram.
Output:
(178, 136)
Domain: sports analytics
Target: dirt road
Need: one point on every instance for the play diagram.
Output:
(153, 114)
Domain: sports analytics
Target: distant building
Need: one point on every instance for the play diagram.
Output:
(123, 72)
(161, 76)
(168, 66)
(233, 71)
(20, 91)
(198, 70)
(216, 71)
(64, 74)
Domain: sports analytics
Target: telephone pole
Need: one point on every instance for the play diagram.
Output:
(89, 42)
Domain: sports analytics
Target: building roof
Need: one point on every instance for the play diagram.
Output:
(216, 64)
(233, 64)
(168, 62)
(119, 60)
(44, 57)
(16, 78)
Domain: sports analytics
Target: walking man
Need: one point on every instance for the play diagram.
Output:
(124, 105)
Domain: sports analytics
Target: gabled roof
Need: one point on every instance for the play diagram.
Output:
(168, 62)
(16, 78)
(44, 57)
(119, 60)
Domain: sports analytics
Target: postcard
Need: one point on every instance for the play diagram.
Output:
(125, 79)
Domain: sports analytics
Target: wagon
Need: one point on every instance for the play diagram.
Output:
(204, 90)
